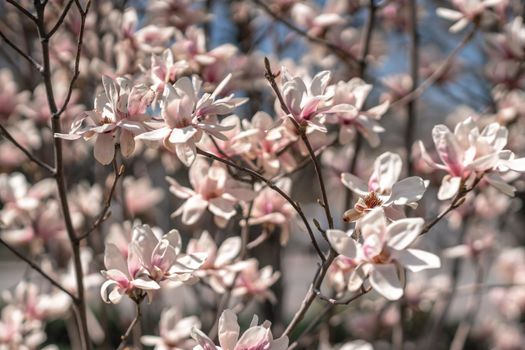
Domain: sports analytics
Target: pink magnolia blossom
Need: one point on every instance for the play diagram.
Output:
(140, 196)
(18, 333)
(255, 283)
(219, 267)
(383, 188)
(124, 276)
(315, 20)
(271, 210)
(349, 99)
(212, 190)
(305, 103)
(467, 11)
(174, 331)
(162, 258)
(186, 116)
(383, 249)
(255, 337)
(468, 153)
(119, 114)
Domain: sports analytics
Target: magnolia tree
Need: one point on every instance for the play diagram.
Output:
(349, 171)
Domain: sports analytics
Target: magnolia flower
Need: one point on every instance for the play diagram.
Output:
(186, 116)
(305, 103)
(383, 188)
(255, 337)
(162, 258)
(16, 332)
(120, 112)
(125, 276)
(212, 190)
(253, 282)
(468, 153)
(219, 266)
(140, 196)
(349, 99)
(384, 248)
(174, 331)
(264, 142)
(467, 11)
(270, 210)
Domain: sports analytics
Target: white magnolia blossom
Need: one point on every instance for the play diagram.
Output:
(383, 250)
(383, 188)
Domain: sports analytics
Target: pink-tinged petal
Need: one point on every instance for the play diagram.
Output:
(155, 135)
(69, 137)
(179, 190)
(448, 149)
(516, 164)
(228, 250)
(387, 169)
(459, 25)
(373, 223)
(355, 184)
(498, 182)
(202, 339)
(228, 330)
(449, 187)
(146, 240)
(116, 295)
(407, 191)
(320, 82)
(384, 279)
(310, 107)
(417, 260)
(104, 290)
(105, 148)
(113, 259)
(402, 233)
(221, 86)
(134, 259)
(215, 130)
(184, 86)
(174, 240)
(342, 242)
(193, 210)
(145, 284)
(378, 111)
(182, 135)
(426, 157)
(487, 162)
(127, 143)
(186, 153)
(449, 14)
(257, 337)
(222, 207)
(357, 277)
(187, 263)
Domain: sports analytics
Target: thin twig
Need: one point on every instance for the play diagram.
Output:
(414, 74)
(37, 268)
(28, 153)
(270, 184)
(125, 336)
(60, 19)
(23, 10)
(104, 214)
(301, 129)
(344, 55)
(437, 74)
(28, 58)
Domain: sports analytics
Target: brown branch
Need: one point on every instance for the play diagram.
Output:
(456, 202)
(414, 74)
(23, 10)
(37, 269)
(60, 19)
(28, 153)
(270, 76)
(344, 55)
(125, 336)
(270, 184)
(59, 165)
(28, 58)
(437, 74)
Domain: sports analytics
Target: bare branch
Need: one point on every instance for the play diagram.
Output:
(37, 269)
(344, 55)
(28, 153)
(60, 19)
(23, 10)
(30, 59)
